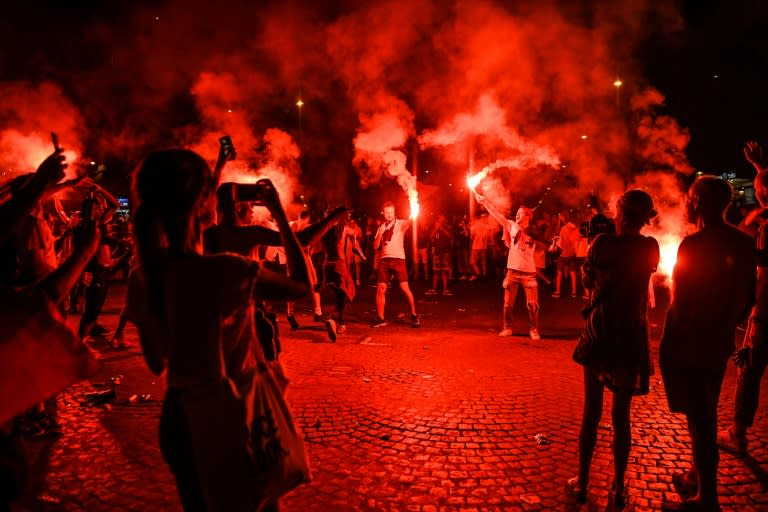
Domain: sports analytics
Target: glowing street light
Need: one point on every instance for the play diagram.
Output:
(583, 137)
(617, 84)
(299, 103)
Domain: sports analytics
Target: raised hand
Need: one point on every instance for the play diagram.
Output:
(52, 168)
(754, 154)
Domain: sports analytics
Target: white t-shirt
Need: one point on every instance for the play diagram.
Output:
(521, 249)
(395, 246)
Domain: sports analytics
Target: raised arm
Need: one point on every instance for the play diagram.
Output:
(316, 231)
(273, 286)
(15, 209)
(754, 154)
(63, 279)
(496, 214)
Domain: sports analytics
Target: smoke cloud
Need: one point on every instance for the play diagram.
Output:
(524, 89)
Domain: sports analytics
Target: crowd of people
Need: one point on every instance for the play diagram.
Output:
(204, 277)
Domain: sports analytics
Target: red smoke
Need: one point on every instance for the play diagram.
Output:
(28, 115)
(491, 79)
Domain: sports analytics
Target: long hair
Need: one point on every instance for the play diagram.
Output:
(168, 187)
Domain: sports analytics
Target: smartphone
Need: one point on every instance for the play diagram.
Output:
(226, 144)
(249, 193)
(55, 140)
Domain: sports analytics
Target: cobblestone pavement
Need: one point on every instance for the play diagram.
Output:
(443, 418)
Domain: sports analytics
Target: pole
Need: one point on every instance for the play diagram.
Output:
(414, 224)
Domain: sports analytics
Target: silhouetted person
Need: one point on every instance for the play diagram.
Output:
(753, 356)
(714, 289)
(197, 322)
(613, 348)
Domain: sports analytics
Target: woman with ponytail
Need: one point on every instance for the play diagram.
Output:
(196, 319)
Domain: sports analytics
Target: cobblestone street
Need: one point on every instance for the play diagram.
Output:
(438, 419)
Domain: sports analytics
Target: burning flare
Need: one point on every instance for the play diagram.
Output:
(668, 245)
(413, 200)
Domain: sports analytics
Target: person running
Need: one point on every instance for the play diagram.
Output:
(390, 244)
(337, 242)
(613, 347)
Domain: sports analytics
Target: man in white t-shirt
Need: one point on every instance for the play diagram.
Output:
(390, 241)
(518, 235)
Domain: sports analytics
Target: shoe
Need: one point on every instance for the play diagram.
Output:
(431, 291)
(575, 491)
(341, 329)
(379, 322)
(556, 295)
(534, 334)
(415, 323)
(619, 500)
(586, 296)
(685, 484)
(319, 318)
(472, 278)
(462, 278)
(505, 332)
(447, 293)
(573, 295)
(731, 442)
(330, 326)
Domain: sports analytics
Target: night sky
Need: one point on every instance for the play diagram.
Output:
(710, 64)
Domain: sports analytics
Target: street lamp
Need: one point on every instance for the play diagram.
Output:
(617, 84)
(299, 104)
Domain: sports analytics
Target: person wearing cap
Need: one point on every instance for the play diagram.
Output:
(613, 347)
(715, 279)
(521, 239)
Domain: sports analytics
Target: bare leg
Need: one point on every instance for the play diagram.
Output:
(593, 409)
(381, 298)
(622, 437)
(408, 295)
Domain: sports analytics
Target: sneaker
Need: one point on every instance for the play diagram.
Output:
(731, 442)
(556, 295)
(431, 291)
(472, 278)
(447, 293)
(292, 322)
(342, 328)
(319, 318)
(415, 323)
(586, 296)
(379, 322)
(330, 326)
(462, 278)
(573, 295)
(505, 332)
(534, 334)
